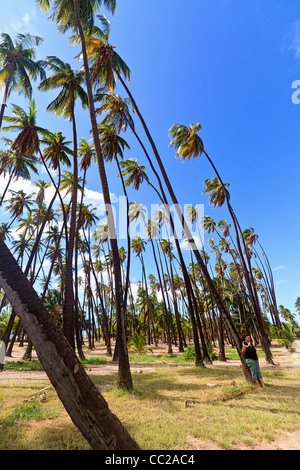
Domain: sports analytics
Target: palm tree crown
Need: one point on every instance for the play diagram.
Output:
(186, 141)
(69, 81)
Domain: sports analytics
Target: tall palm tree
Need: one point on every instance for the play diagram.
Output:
(187, 143)
(18, 66)
(178, 209)
(219, 195)
(69, 83)
(80, 17)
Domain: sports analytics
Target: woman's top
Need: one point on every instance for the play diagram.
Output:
(251, 353)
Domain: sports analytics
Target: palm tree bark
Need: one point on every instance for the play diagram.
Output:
(85, 405)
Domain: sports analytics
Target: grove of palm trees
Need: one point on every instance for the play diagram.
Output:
(135, 279)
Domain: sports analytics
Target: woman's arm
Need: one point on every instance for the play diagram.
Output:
(244, 348)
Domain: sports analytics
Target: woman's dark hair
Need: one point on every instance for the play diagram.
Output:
(244, 337)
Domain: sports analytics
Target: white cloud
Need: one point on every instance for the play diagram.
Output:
(94, 198)
(295, 45)
(279, 268)
(284, 281)
(22, 23)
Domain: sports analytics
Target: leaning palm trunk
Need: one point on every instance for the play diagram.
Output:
(86, 407)
(247, 272)
(124, 376)
(218, 301)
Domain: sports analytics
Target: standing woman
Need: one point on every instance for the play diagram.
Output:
(249, 352)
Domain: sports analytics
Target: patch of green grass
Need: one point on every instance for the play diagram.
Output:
(33, 425)
(28, 365)
(97, 360)
(232, 353)
(159, 358)
(31, 410)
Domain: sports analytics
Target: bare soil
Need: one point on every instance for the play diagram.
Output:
(283, 359)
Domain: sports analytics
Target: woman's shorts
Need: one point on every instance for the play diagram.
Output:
(254, 368)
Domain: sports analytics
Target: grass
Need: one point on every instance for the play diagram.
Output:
(180, 406)
(28, 365)
(177, 406)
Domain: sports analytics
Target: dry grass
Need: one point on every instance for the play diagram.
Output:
(172, 407)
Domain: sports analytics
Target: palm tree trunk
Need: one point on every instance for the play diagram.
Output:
(124, 375)
(82, 400)
(7, 186)
(5, 96)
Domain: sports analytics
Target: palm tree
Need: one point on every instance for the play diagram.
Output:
(17, 166)
(18, 66)
(138, 247)
(187, 143)
(65, 15)
(86, 407)
(18, 202)
(80, 16)
(104, 59)
(214, 188)
(251, 239)
(231, 326)
(218, 195)
(42, 185)
(27, 141)
(69, 82)
(116, 110)
(57, 153)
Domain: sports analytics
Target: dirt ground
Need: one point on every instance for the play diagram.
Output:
(283, 359)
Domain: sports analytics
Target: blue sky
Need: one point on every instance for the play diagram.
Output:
(227, 64)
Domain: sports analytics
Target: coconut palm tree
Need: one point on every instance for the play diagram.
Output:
(103, 59)
(214, 188)
(18, 202)
(27, 141)
(16, 166)
(297, 305)
(69, 83)
(80, 17)
(116, 110)
(187, 144)
(18, 66)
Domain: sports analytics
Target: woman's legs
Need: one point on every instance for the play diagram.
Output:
(255, 372)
